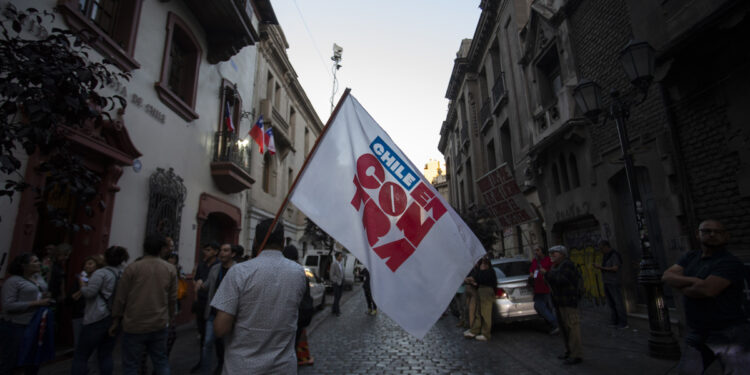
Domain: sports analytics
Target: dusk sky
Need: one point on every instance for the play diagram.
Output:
(397, 59)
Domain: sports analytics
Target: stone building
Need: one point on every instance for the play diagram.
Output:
(688, 135)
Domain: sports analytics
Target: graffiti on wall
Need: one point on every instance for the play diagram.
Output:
(581, 245)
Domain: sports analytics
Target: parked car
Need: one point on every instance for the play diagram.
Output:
(320, 262)
(514, 298)
(317, 289)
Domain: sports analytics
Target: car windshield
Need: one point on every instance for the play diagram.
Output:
(510, 269)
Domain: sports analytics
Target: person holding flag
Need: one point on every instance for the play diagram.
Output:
(256, 133)
(387, 215)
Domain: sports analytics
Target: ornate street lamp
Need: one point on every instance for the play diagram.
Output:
(638, 62)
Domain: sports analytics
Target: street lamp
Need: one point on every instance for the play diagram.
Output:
(637, 59)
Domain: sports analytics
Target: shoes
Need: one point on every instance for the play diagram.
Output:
(623, 327)
(308, 362)
(469, 335)
(373, 312)
(572, 361)
(554, 331)
(481, 338)
(563, 356)
(368, 312)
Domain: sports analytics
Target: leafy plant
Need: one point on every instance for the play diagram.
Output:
(48, 86)
(317, 236)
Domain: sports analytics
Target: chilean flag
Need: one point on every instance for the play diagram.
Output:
(256, 133)
(228, 117)
(270, 144)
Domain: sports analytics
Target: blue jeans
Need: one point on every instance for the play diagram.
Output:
(337, 289)
(11, 335)
(210, 340)
(94, 336)
(730, 346)
(616, 305)
(543, 306)
(155, 345)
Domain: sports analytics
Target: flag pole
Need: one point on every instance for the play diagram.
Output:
(304, 165)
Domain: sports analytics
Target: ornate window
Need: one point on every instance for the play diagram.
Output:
(179, 69)
(113, 23)
(269, 174)
(165, 202)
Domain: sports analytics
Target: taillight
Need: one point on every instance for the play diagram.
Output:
(500, 293)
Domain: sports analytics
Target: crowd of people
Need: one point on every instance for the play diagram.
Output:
(711, 280)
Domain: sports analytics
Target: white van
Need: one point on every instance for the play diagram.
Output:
(319, 262)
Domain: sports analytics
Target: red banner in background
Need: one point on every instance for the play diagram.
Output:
(503, 197)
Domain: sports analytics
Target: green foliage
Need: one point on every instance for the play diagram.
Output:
(48, 86)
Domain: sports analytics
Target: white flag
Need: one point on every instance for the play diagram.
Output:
(363, 191)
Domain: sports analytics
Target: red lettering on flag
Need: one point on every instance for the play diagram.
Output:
(411, 224)
(360, 196)
(375, 222)
(370, 181)
(397, 253)
(427, 199)
(392, 198)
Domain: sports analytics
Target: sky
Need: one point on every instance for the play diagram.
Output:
(397, 59)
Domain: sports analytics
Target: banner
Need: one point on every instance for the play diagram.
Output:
(503, 197)
(362, 190)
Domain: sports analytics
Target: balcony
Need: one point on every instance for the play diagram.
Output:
(485, 115)
(230, 168)
(230, 25)
(499, 95)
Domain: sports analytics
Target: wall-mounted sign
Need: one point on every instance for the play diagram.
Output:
(503, 197)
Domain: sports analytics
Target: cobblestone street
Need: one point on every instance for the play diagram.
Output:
(357, 343)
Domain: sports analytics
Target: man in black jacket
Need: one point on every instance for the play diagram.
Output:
(564, 280)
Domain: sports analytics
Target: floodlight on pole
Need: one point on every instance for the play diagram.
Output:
(337, 52)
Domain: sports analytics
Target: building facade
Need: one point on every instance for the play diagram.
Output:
(178, 160)
(688, 134)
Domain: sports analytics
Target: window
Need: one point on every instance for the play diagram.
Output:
(269, 174)
(470, 182)
(563, 173)
(550, 81)
(277, 96)
(292, 124)
(269, 86)
(574, 178)
(491, 158)
(307, 140)
(289, 179)
(114, 25)
(506, 143)
(179, 69)
(555, 179)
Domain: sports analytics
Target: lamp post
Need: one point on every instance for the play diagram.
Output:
(638, 62)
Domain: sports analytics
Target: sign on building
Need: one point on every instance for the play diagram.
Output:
(503, 197)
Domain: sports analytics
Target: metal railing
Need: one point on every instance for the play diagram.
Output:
(227, 148)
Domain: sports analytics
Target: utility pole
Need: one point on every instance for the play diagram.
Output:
(337, 51)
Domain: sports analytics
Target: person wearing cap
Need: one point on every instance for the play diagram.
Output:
(564, 278)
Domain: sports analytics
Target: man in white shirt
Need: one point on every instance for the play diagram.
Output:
(337, 279)
(257, 306)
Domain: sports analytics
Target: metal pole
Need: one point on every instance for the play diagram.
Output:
(661, 343)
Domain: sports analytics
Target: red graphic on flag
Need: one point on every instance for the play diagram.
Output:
(228, 117)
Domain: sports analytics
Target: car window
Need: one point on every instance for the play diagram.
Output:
(312, 260)
(510, 269)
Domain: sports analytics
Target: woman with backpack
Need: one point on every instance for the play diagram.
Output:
(99, 292)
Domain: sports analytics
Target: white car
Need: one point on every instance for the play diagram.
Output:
(317, 289)
(514, 298)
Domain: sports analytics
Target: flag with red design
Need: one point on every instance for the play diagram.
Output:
(361, 189)
(268, 140)
(256, 133)
(228, 117)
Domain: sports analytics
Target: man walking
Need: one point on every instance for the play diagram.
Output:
(337, 279)
(209, 251)
(257, 307)
(711, 280)
(144, 304)
(227, 256)
(372, 308)
(610, 268)
(563, 278)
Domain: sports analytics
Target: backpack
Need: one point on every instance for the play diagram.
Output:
(110, 301)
